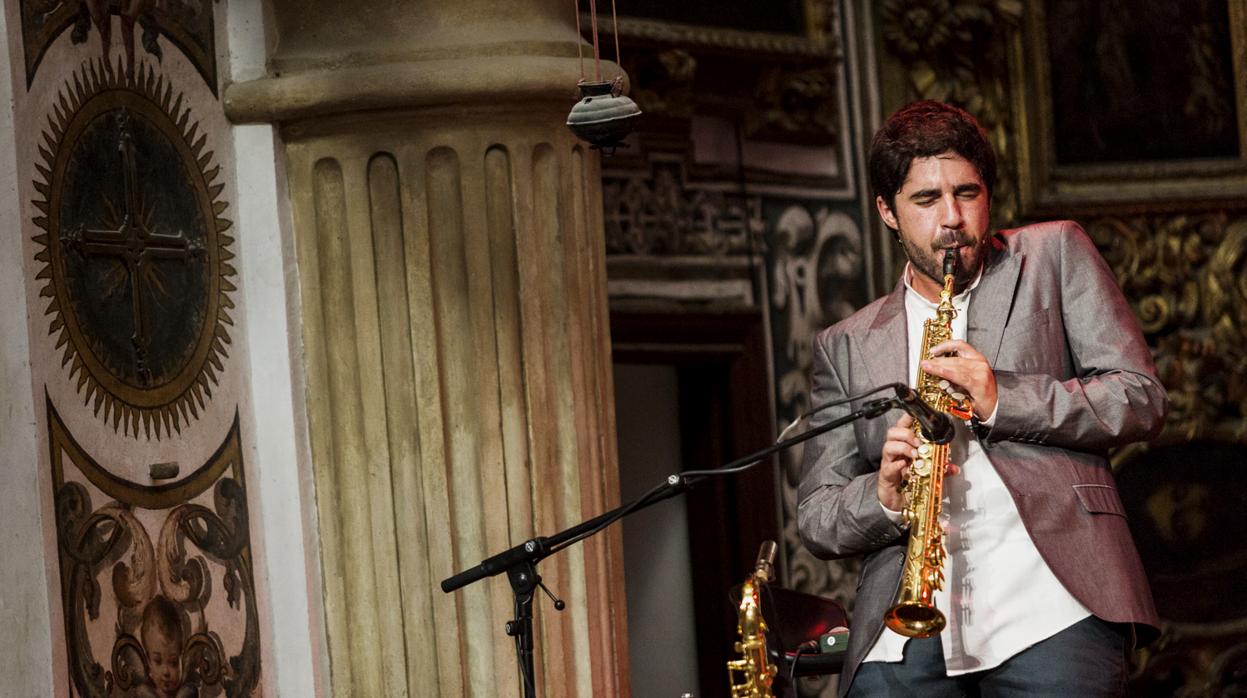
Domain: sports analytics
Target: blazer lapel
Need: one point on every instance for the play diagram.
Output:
(992, 300)
(885, 348)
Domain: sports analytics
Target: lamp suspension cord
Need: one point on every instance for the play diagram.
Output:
(597, 56)
(615, 25)
(580, 52)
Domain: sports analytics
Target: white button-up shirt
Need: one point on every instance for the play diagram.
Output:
(999, 595)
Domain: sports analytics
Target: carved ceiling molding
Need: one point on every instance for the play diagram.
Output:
(656, 212)
(822, 36)
(693, 36)
(784, 87)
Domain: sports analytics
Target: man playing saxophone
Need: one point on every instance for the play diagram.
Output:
(1042, 592)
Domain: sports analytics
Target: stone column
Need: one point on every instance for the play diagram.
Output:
(451, 272)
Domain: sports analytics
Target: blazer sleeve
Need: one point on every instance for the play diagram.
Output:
(1115, 396)
(838, 510)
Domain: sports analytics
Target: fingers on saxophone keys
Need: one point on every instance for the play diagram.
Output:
(903, 435)
(956, 392)
(954, 347)
(898, 450)
(951, 469)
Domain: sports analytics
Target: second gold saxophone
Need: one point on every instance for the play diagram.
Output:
(751, 675)
(914, 613)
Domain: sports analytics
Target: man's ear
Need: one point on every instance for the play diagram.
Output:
(885, 212)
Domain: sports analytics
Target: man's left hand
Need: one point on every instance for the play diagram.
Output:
(965, 366)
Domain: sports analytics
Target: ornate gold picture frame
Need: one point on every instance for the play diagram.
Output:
(1054, 184)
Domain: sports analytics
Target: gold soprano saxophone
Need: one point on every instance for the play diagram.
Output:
(755, 673)
(914, 613)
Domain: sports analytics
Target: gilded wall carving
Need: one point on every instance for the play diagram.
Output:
(794, 102)
(1184, 275)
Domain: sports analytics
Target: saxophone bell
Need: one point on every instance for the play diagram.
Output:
(915, 619)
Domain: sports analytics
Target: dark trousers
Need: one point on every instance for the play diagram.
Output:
(1086, 659)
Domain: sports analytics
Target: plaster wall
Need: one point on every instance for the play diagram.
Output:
(24, 609)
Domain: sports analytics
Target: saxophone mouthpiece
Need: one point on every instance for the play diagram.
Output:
(950, 262)
(765, 567)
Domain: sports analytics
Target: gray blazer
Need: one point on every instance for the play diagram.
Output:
(1074, 379)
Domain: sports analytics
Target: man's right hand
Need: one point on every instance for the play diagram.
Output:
(899, 451)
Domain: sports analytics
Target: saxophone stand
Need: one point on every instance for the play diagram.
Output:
(520, 562)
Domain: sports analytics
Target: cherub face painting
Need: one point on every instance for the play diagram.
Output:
(162, 640)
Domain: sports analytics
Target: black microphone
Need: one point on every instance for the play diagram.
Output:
(936, 426)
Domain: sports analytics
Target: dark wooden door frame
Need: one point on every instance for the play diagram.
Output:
(725, 412)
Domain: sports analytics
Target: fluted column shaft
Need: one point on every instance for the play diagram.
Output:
(451, 274)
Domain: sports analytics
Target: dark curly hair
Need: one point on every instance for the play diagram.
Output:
(925, 129)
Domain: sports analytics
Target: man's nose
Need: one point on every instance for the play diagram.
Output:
(951, 213)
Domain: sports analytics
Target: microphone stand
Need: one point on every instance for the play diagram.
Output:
(519, 562)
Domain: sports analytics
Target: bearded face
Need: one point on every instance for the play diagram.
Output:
(942, 206)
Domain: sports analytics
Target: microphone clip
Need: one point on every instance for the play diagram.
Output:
(936, 426)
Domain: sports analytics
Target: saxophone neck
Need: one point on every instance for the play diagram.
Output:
(950, 279)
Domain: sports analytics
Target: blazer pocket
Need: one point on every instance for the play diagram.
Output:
(1100, 499)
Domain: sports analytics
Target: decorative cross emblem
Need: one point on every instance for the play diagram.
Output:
(136, 244)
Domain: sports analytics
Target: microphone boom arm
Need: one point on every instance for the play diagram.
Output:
(519, 561)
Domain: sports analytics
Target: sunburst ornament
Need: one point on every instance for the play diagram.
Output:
(134, 258)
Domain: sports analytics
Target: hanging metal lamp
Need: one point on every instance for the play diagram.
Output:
(604, 116)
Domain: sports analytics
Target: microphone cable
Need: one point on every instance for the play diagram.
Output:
(827, 405)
